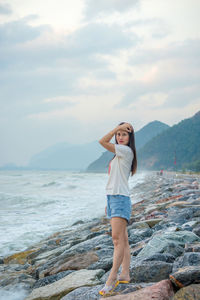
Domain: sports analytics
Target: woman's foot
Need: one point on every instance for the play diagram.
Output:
(124, 278)
(111, 280)
(108, 289)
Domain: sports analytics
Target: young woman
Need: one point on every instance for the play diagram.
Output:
(118, 207)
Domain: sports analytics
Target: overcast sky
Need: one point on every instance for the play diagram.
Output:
(72, 70)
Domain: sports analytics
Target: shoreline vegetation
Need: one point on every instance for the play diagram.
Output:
(164, 238)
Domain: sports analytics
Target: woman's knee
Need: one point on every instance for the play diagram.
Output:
(117, 239)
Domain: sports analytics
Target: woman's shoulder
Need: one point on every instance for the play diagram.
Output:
(123, 149)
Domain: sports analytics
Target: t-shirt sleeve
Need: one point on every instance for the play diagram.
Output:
(123, 150)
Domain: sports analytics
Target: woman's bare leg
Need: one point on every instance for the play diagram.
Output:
(118, 236)
(125, 274)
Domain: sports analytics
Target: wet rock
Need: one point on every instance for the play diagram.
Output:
(19, 258)
(15, 279)
(78, 223)
(60, 288)
(50, 279)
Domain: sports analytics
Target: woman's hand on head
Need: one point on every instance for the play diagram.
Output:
(126, 126)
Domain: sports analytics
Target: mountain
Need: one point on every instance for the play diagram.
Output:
(142, 136)
(149, 131)
(180, 143)
(64, 156)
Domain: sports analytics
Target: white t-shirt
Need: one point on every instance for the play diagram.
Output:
(120, 168)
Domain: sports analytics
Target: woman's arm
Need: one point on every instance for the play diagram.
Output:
(106, 139)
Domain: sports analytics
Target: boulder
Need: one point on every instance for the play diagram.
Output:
(137, 235)
(19, 258)
(191, 292)
(60, 288)
(185, 276)
(192, 247)
(187, 259)
(162, 290)
(196, 230)
(77, 262)
(139, 224)
(150, 271)
(169, 242)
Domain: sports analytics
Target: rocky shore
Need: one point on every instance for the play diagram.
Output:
(164, 237)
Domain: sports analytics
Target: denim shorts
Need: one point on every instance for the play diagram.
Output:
(119, 206)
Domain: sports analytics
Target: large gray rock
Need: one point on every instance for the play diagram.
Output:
(137, 235)
(150, 271)
(186, 276)
(169, 242)
(187, 259)
(181, 216)
(60, 288)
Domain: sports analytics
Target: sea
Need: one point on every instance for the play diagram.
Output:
(36, 204)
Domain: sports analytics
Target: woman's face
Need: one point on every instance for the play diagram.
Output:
(122, 137)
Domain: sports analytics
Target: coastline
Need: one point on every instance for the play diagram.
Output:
(75, 263)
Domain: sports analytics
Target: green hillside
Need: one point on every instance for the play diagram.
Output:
(181, 141)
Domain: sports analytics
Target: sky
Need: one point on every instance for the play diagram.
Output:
(71, 71)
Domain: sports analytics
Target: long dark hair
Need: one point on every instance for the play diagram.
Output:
(131, 144)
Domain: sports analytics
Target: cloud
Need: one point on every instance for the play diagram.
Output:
(5, 9)
(95, 8)
(172, 70)
(18, 32)
(39, 65)
(83, 45)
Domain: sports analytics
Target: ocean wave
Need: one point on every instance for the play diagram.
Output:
(71, 186)
(50, 183)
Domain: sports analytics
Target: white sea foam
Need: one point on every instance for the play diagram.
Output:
(34, 205)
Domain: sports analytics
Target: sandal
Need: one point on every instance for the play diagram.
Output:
(108, 289)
